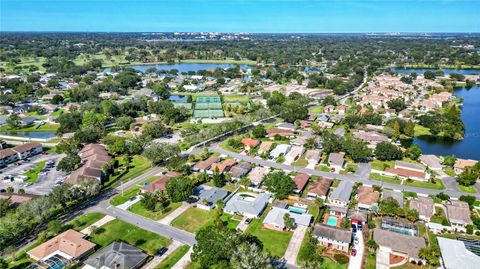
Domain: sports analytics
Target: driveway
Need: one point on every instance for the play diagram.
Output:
(294, 245)
(363, 170)
(158, 259)
(356, 261)
(177, 212)
(243, 225)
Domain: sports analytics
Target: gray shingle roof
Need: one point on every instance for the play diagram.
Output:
(238, 204)
(118, 255)
(275, 217)
(212, 195)
(343, 191)
(342, 235)
(399, 242)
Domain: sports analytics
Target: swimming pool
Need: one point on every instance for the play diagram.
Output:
(297, 210)
(332, 221)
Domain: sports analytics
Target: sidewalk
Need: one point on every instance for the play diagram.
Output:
(167, 219)
(97, 224)
(129, 203)
(294, 245)
(158, 259)
(184, 261)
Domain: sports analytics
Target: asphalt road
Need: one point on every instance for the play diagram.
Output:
(451, 188)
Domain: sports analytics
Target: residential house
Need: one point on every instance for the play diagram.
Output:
(223, 167)
(424, 206)
(250, 144)
(271, 133)
(206, 164)
(301, 181)
(275, 218)
(432, 162)
(367, 197)
(280, 149)
(319, 188)
(341, 109)
(117, 255)
(209, 196)
(313, 158)
(461, 164)
(372, 138)
(340, 196)
(357, 216)
(286, 126)
(265, 147)
(397, 196)
(408, 170)
(70, 245)
(336, 161)
(160, 183)
(293, 154)
(94, 157)
(455, 254)
(399, 244)
(257, 174)
(246, 205)
(458, 214)
(17, 198)
(333, 237)
(328, 108)
(240, 170)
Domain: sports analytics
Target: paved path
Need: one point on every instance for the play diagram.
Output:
(295, 244)
(158, 259)
(129, 203)
(97, 224)
(242, 226)
(356, 261)
(184, 261)
(450, 190)
(177, 212)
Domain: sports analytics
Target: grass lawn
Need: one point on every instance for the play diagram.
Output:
(33, 173)
(86, 220)
(224, 145)
(274, 242)
(439, 216)
(323, 168)
(129, 193)
(173, 258)
(315, 109)
(119, 230)
(438, 185)
(421, 131)
(235, 98)
(449, 171)
(380, 166)
(57, 113)
(382, 178)
(193, 219)
(138, 208)
(331, 264)
(467, 189)
(302, 162)
(138, 165)
(47, 127)
(371, 261)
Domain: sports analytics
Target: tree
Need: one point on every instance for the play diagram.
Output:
(155, 201)
(409, 128)
(179, 188)
(308, 257)
(154, 130)
(248, 255)
(10, 189)
(372, 245)
(293, 110)
(397, 104)
(431, 254)
(470, 228)
(162, 90)
(124, 122)
(449, 160)
(57, 99)
(442, 196)
(411, 214)
(55, 226)
(178, 164)
(468, 177)
(69, 163)
(3, 263)
(386, 151)
(14, 121)
(287, 220)
(468, 199)
(158, 153)
(413, 152)
(389, 206)
(4, 206)
(279, 183)
(358, 150)
(259, 131)
(218, 179)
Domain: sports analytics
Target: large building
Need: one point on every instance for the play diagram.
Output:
(27, 150)
(333, 237)
(94, 157)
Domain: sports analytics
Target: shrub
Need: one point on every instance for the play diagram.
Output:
(341, 259)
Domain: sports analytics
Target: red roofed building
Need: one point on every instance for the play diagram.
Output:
(405, 173)
(160, 183)
(281, 132)
(301, 181)
(250, 143)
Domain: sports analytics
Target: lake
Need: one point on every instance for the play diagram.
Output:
(446, 71)
(41, 135)
(468, 148)
(184, 67)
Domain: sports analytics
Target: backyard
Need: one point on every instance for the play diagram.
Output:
(194, 219)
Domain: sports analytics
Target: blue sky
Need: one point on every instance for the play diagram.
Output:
(301, 16)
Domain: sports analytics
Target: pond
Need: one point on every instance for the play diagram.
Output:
(446, 71)
(39, 135)
(184, 67)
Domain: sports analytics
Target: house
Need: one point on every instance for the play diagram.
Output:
(27, 150)
(455, 254)
(372, 138)
(410, 166)
(265, 147)
(250, 143)
(367, 197)
(240, 170)
(271, 133)
(397, 196)
(117, 255)
(301, 181)
(333, 237)
(224, 166)
(341, 109)
(340, 196)
(206, 164)
(328, 108)
(257, 174)
(70, 245)
(408, 170)
(286, 126)
(160, 183)
(357, 216)
(281, 149)
(458, 214)
(209, 196)
(336, 161)
(293, 154)
(424, 206)
(399, 244)
(275, 218)
(313, 158)
(431, 161)
(94, 157)
(319, 188)
(248, 205)
(17, 198)
(305, 124)
(461, 164)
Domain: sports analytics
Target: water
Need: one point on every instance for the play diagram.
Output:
(446, 71)
(184, 67)
(469, 147)
(42, 135)
(332, 221)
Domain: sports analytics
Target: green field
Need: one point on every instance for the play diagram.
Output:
(129, 193)
(85, 220)
(195, 219)
(210, 113)
(467, 189)
(33, 173)
(119, 230)
(173, 258)
(138, 208)
(438, 185)
(383, 178)
(138, 166)
(235, 98)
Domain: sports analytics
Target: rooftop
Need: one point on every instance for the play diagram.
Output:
(409, 245)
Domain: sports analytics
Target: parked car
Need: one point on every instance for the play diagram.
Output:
(247, 221)
(354, 252)
(162, 251)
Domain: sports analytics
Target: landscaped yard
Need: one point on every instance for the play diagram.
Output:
(138, 208)
(138, 165)
(467, 189)
(438, 185)
(119, 230)
(439, 216)
(33, 173)
(85, 220)
(173, 258)
(383, 178)
(316, 109)
(127, 194)
(192, 219)
(275, 242)
(302, 162)
(380, 165)
(449, 171)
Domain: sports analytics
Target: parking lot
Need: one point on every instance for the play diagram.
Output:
(45, 181)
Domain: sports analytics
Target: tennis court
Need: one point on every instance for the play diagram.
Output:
(184, 105)
(208, 113)
(206, 106)
(207, 99)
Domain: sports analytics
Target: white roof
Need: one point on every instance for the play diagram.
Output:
(275, 217)
(282, 148)
(295, 151)
(238, 204)
(456, 255)
(257, 174)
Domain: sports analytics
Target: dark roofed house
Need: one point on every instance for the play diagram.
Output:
(336, 161)
(399, 244)
(333, 237)
(424, 206)
(117, 255)
(397, 196)
(239, 170)
(281, 132)
(319, 188)
(301, 181)
(208, 196)
(206, 164)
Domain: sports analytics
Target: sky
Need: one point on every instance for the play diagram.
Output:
(261, 16)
